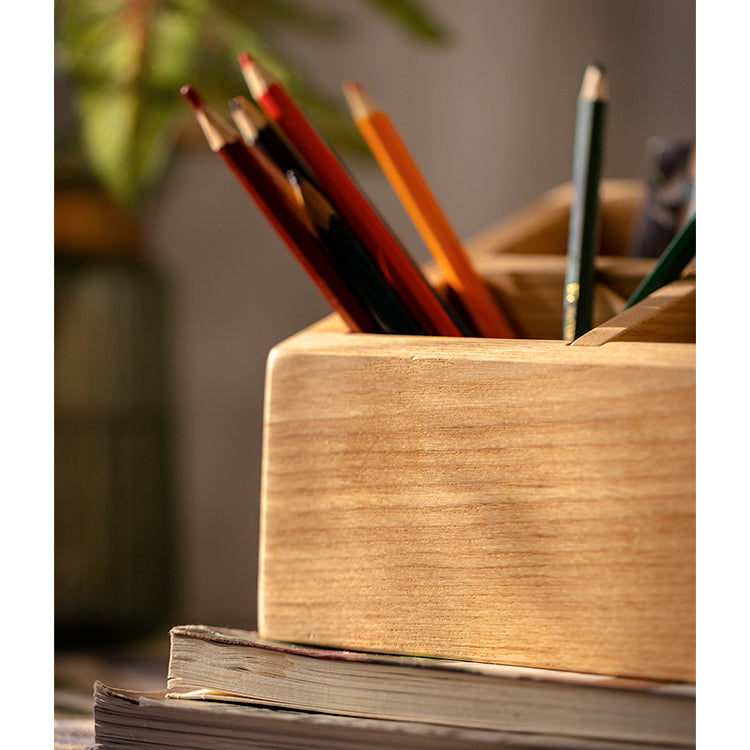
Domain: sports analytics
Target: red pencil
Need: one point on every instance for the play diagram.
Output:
(273, 195)
(395, 264)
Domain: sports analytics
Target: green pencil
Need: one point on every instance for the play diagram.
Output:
(671, 263)
(583, 228)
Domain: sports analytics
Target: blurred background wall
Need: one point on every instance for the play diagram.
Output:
(489, 117)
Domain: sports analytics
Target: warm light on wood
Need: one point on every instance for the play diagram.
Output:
(520, 501)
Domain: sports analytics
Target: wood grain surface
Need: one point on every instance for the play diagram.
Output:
(541, 227)
(520, 501)
(515, 501)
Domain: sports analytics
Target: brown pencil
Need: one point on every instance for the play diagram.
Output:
(395, 264)
(257, 130)
(265, 185)
(356, 265)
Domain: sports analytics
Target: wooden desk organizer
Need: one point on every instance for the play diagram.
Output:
(516, 501)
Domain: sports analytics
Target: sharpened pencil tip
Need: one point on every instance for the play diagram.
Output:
(360, 103)
(317, 207)
(218, 132)
(293, 178)
(295, 183)
(595, 86)
(248, 118)
(258, 79)
(192, 96)
(244, 59)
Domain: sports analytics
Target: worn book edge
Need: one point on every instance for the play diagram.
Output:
(239, 637)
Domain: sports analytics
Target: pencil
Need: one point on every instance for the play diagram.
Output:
(257, 130)
(395, 264)
(402, 172)
(671, 263)
(352, 261)
(355, 264)
(274, 196)
(583, 226)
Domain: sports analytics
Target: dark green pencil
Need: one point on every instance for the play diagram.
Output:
(353, 262)
(583, 229)
(671, 263)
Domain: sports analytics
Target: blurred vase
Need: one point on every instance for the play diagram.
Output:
(114, 546)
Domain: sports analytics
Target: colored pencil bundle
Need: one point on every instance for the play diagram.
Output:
(324, 218)
(393, 261)
(344, 245)
(273, 195)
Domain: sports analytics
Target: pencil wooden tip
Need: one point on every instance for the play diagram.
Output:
(195, 100)
(241, 104)
(352, 86)
(296, 185)
(217, 130)
(244, 59)
(318, 208)
(293, 179)
(595, 86)
(244, 119)
(360, 103)
(257, 78)
(248, 118)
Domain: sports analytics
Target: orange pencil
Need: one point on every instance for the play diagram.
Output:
(417, 198)
(394, 263)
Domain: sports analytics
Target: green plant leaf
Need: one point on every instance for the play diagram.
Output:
(129, 58)
(270, 15)
(411, 17)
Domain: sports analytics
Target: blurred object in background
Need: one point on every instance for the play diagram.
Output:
(114, 561)
(128, 60)
(487, 111)
(120, 123)
(671, 194)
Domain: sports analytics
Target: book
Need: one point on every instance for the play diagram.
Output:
(224, 663)
(127, 719)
